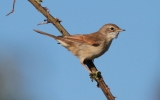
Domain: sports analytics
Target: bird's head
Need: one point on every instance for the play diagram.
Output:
(110, 30)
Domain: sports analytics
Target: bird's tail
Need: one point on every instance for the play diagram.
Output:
(44, 33)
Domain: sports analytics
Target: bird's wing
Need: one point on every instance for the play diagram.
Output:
(89, 39)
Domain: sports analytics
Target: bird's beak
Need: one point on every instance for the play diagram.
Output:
(121, 30)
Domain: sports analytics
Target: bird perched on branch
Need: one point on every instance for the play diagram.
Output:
(89, 46)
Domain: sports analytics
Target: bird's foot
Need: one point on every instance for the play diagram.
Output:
(95, 75)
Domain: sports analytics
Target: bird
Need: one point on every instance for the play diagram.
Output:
(89, 46)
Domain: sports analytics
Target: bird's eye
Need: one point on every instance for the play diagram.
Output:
(112, 28)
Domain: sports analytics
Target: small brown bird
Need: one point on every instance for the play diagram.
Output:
(89, 46)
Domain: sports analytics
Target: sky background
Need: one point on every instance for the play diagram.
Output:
(35, 67)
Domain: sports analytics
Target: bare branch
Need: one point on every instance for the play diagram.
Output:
(100, 82)
(12, 8)
(49, 17)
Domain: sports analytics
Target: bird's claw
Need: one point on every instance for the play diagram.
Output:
(95, 75)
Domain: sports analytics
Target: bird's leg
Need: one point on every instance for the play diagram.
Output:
(93, 75)
(85, 67)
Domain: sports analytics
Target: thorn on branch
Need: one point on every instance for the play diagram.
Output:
(57, 20)
(12, 8)
(46, 9)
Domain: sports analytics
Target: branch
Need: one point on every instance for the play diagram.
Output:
(50, 18)
(12, 8)
(89, 63)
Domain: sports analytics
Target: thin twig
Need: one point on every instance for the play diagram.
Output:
(12, 8)
(100, 82)
(44, 22)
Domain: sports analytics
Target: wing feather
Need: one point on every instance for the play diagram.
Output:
(89, 39)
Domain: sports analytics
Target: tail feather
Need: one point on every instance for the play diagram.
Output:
(44, 33)
(64, 42)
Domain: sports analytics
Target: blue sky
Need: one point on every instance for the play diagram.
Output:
(35, 67)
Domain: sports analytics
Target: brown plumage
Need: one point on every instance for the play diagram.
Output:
(89, 46)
